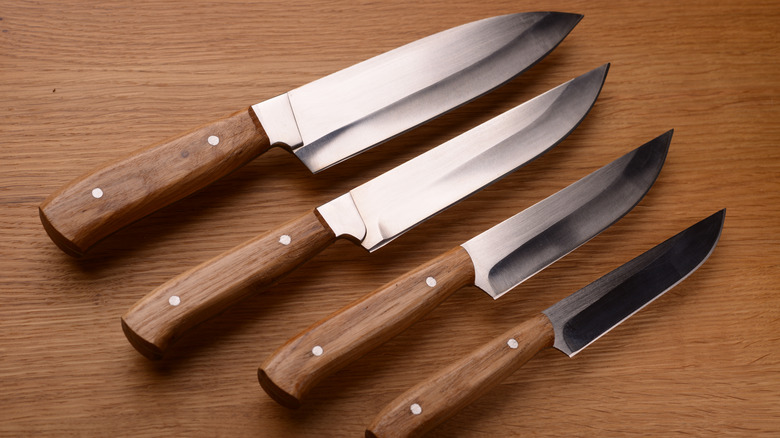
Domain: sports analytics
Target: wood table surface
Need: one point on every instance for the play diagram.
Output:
(82, 83)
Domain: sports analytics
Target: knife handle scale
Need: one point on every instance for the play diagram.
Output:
(329, 345)
(441, 396)
(101, 202)
(162, 316)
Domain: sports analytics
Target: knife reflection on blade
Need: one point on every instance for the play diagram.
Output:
(495, 261)
(321, 123)
(372, 214)
(569, 326)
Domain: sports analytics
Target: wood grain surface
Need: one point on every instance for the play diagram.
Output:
(84, 83)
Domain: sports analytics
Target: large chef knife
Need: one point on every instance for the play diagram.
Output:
(322, 123)
(373, 214)
(570, 325)
(495, 261)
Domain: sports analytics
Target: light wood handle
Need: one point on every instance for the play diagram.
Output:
(107, 199)
(329, 345)
(161, 317)
(441, 396)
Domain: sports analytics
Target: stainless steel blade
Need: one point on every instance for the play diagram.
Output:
(390, 204)
(342, 114)
(594, 310)
(516, 249)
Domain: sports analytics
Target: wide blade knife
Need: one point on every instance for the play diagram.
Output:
(372, 214)
(570, 325)
(322, 123)
(495, 261)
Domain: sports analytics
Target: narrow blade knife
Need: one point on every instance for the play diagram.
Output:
(372, 214)
(570, 325)
(322, 123)
(495, 261)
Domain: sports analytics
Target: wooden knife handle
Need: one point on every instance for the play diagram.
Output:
(334, 342)
(439, 397)
(107, 199)
(158, 319)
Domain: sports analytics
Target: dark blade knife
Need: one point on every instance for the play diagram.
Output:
(570, 325)
(322, 123)
(372, 214)
(495, 261)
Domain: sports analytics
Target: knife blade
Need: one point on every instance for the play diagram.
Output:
(372, 214)
(322, 123)
(496, 261)
(569, 326)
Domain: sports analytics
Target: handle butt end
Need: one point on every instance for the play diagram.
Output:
(146, 348)
(62, 242)
(276, 392)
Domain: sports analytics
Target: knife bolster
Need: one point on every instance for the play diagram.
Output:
(343, 217)
(278, 120)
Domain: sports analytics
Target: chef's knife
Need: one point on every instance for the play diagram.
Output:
(373, 214)
(570, 325)
(495, 261)
(322, 123)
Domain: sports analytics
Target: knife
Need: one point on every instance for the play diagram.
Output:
(372, 214)
(495, 261)
(322, 123)
(570, 325)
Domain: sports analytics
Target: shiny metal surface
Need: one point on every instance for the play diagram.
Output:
(361, 106)
(412, 192)
(278, 121)
(516, 249)
(343, 217)
(594, 310)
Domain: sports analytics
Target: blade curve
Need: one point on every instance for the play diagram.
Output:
(399, 199)
(599, 307)
(361, 106)
(516, 249)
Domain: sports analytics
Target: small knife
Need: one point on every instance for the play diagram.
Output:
(322, 123)
(373, 214)
(570, 325)
(495, 261)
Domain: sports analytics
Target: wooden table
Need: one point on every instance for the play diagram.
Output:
(85, 83)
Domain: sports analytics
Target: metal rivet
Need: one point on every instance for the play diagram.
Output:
(512, 342)
(213, 140)
(317, 351)
(285, 239)
(416, 409)
(97, 193)
(174, 300)
(430, 281)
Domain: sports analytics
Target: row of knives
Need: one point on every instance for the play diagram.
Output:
(347, 112)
